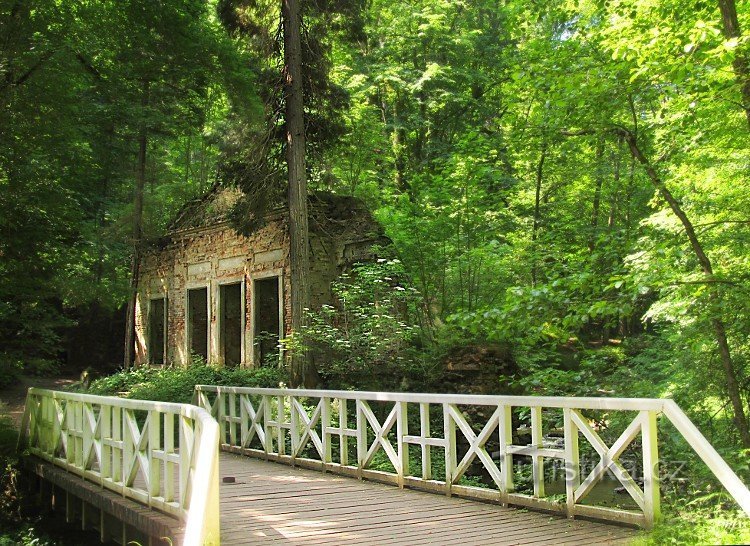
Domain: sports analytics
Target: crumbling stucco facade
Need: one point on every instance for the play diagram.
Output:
(243, 281)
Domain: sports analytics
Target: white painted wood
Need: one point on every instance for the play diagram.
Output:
(505, 422)
(393, 437)
(708, 454)
(476, 446)
(572, 463)
(169, 460)
(325, 424)
(402, 429)
(424, 429)
(635, 404)
(100, 439)
(343, 426)
(537, 461)
(361, 438)
(609, 458)
(652, 508)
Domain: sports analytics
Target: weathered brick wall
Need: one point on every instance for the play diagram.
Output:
(208, 256)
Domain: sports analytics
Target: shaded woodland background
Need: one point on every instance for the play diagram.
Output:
(534, 163)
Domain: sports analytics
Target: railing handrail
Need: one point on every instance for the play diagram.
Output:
(712, 459)
(108, 437)
(280, 414)
(188, 410)
(580, 402)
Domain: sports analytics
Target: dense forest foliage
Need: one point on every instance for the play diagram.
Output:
(567, 179)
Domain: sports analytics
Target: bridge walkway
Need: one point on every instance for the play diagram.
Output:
(271, 503)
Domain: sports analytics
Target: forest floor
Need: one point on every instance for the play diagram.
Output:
(13, 397)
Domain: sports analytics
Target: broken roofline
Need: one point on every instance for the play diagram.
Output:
(318, 200)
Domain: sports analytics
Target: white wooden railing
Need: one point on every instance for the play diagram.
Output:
(163, 455)
(314, 429)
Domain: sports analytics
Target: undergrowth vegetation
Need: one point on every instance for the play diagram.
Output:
(18, 526)
(176, 384)
(374, 338)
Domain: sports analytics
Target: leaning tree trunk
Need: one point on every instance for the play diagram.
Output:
(135, 262)
(741, 64)
(301, 370)
(714, 297)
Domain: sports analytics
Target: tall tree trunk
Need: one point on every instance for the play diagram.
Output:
(301, 370)
(616, 176)
(741, 64)
(101, 212)
(135, 263)
(188, 158)
(537, 212)
(598, 182)
(714, 297)
(399, 145)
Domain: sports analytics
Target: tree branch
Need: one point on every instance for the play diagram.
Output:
(10, 82)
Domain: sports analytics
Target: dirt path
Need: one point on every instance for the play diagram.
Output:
(13, 397)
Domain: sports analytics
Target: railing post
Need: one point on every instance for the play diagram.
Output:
(38, 415)
(266, 401)
(105, 416)
(128, 452)
(70, 416)
(424, 429)
(220, 415)
(651, 493)
(506, 440)
(245, 419)
(402, 429)
(294, 428)
(537, 468)
(343, 438)
(27, 424)
(361, 438)
(449, 432)
(154, 442)
(572, 463)
(280, 440)
(168, 450)
(325, 437)
(117, 458)
(232, 420)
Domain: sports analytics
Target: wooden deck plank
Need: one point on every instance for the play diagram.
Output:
(276, 504)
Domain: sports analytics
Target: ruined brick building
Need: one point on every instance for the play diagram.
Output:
(208, 291)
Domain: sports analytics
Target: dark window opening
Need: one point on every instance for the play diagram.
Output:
(198, 322)
(232, 312)
(157, 326)
(267, 319)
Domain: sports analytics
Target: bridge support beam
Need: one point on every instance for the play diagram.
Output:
(91, 507)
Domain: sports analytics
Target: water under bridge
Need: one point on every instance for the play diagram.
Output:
(428, 468)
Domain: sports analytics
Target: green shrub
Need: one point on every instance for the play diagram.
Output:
(9, 504)
(371, 337)
(177, 384)
(9, 370)
(699, 526)
(41, 367)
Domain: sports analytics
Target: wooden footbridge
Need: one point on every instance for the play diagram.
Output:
(462, 465)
